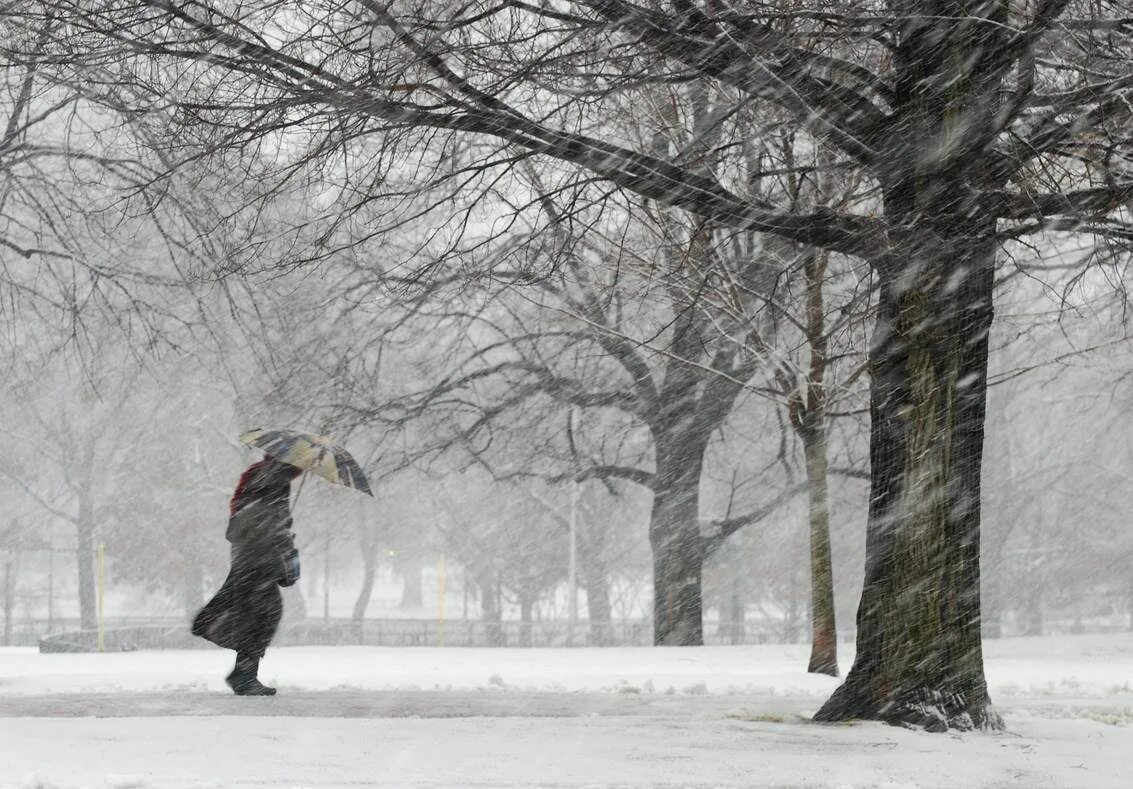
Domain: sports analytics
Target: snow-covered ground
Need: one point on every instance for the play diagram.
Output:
(716, 716)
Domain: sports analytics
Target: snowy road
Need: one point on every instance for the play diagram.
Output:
(711, 717)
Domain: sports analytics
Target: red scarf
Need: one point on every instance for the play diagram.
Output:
(249, 474)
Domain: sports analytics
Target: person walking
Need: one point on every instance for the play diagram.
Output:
(245, 612)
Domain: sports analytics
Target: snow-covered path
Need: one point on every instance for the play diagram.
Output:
(396, 704)
(730, 717)
(552, 752)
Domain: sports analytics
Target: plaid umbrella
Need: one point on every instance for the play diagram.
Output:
(312, 453)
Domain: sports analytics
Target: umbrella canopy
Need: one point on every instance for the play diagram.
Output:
(316, 454)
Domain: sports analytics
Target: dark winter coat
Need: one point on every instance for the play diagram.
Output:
(245, 612)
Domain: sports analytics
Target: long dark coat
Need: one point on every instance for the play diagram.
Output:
(245, 612)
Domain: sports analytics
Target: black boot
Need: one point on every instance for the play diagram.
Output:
(243, 680)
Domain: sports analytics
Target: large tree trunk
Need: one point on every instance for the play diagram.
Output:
(811, 425)
(369, 571)
(919, 656)
(596, 581)
(678, 548)
(368, 544)
(824, 632)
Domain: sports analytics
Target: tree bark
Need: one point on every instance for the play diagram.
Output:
(596, 581)
(811, 426)
(678, 548)
(919, 656)
(369, 571)
(824, 631)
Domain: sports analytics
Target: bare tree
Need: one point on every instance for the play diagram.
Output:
(77, 437)
(976, 122)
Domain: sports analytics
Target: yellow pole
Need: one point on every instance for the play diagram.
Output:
(441, 602)
(101, 565)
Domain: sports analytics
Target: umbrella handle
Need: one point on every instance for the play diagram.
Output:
(295, 500)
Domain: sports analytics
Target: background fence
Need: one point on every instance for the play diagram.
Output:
(126, 635)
